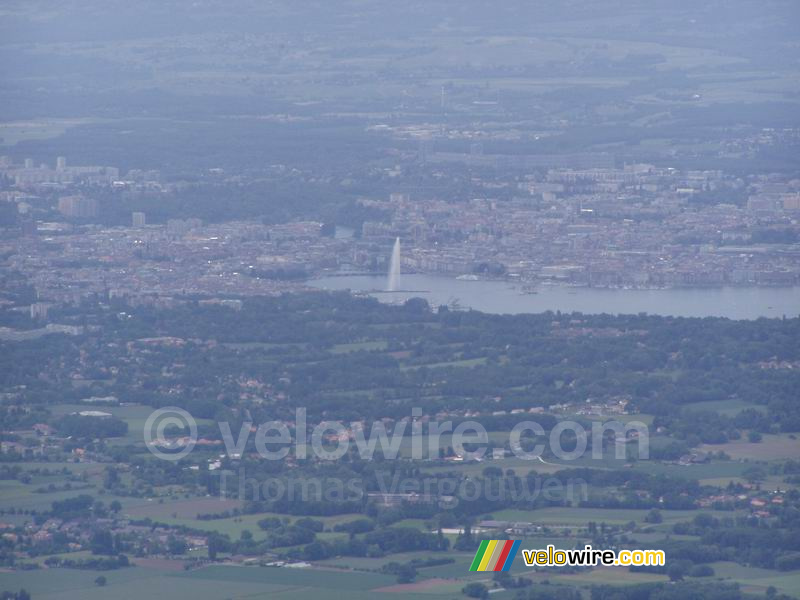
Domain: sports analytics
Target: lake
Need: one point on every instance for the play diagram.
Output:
(506, 297)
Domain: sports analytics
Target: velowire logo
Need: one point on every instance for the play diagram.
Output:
(495, 555)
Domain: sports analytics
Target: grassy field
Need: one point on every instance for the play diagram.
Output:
(12, 132)
(20, 496)
(770, 448)
(134, 416)
(357, 346)
(579, 517)
(232, 526)
(757, 580)
(178, 508)
(608, 576)
(212, 583)
(207, 584)
(464, 364)
(729, 407)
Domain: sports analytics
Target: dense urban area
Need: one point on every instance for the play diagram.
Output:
(636, 226)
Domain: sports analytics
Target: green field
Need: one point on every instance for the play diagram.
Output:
(771, 447)
(211, 583)
(134, 416)
(756, 580)
(579, 517)
(13, 132)
(730, 407)
(358, 346)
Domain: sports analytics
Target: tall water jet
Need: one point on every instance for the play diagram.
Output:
(394, 268)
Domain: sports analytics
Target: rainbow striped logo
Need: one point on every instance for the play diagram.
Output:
(495, 555)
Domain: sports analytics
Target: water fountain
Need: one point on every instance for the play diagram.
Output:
(393, 283)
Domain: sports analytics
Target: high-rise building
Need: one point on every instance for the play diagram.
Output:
(28, 163)
(791, 202)
(77, 206)
(180, 227)
(139, 219)
(61, 163)
(39, 311)
(425, 149)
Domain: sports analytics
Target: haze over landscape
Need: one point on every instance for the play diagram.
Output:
(306, 298)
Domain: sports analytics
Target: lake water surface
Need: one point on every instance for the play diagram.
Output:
(505, 297)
